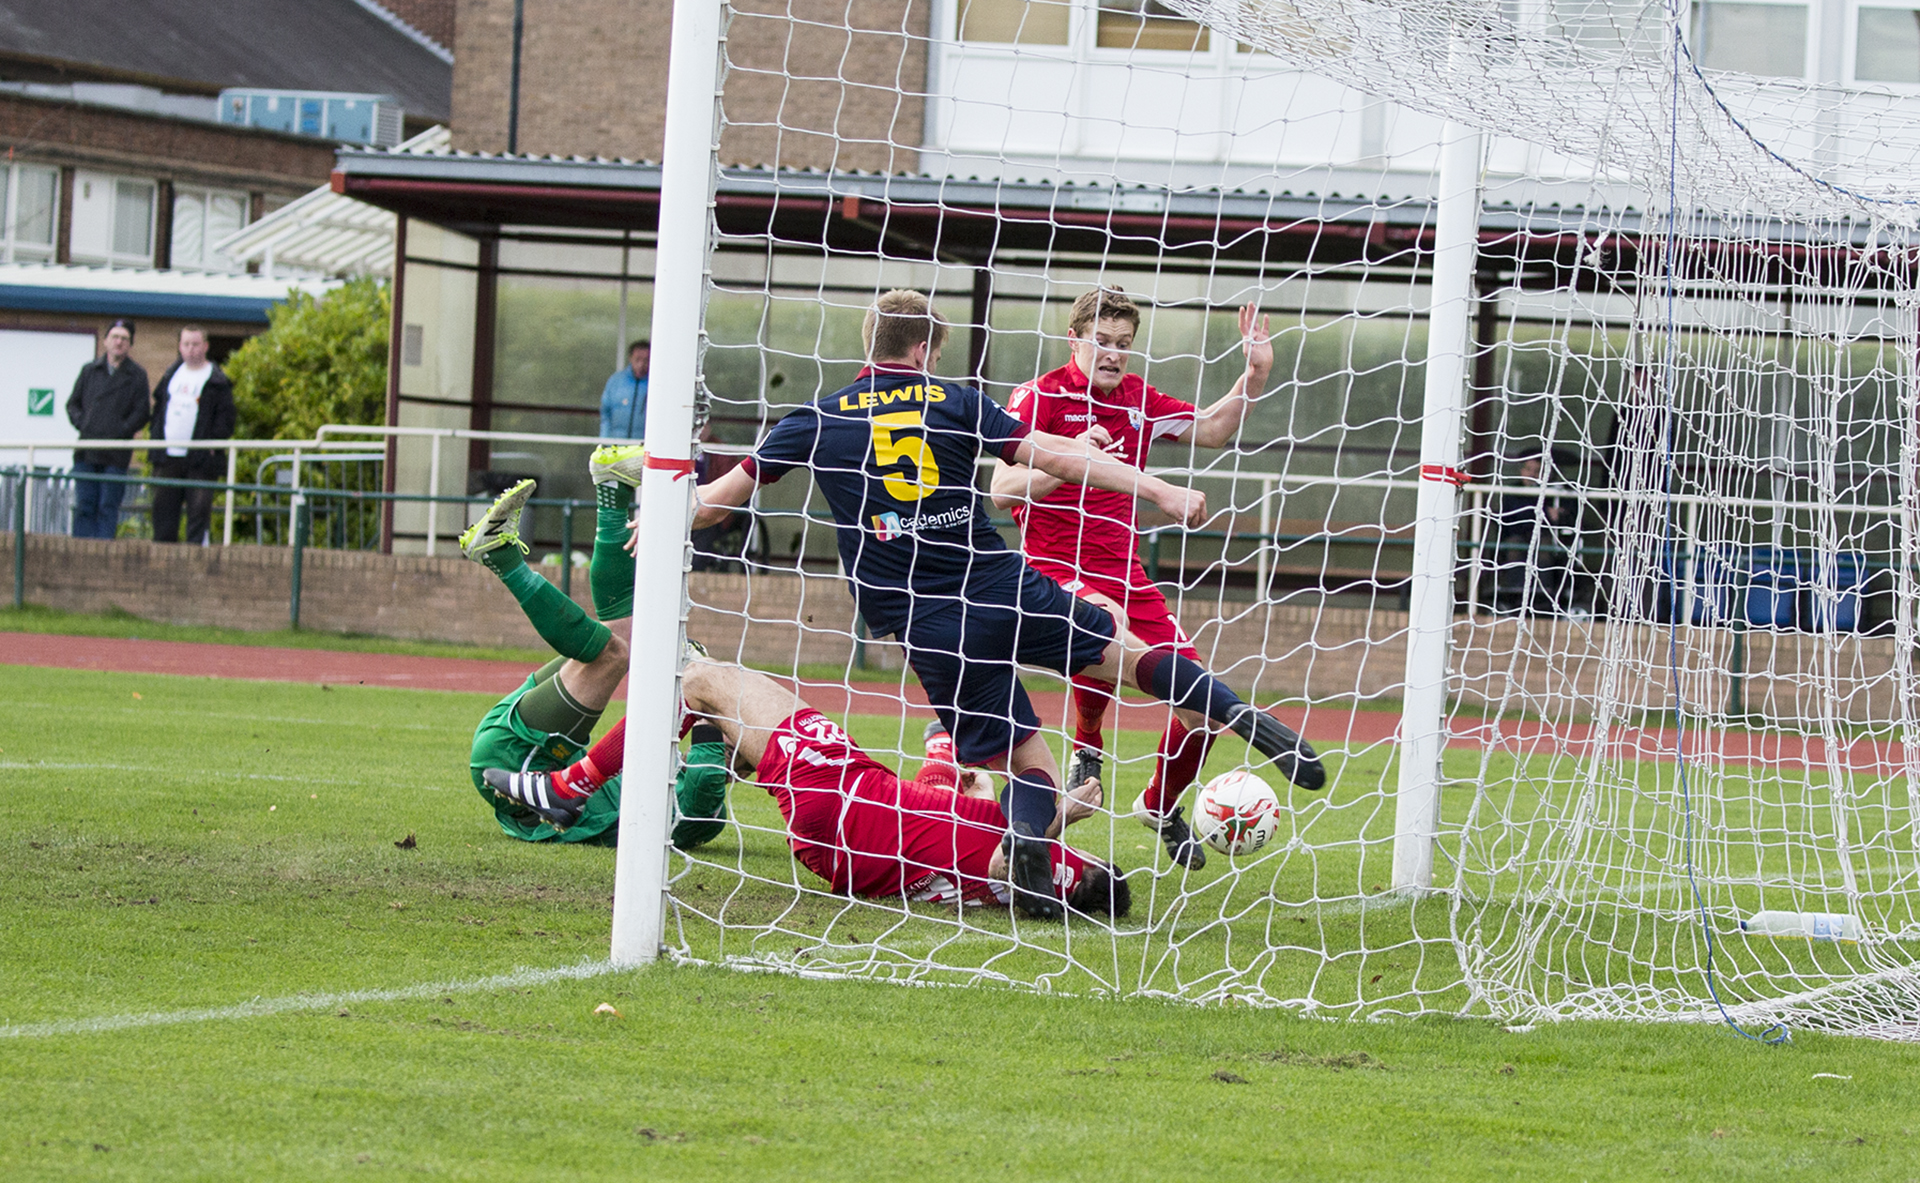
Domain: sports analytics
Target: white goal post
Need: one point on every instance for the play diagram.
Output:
(1576, 519)
(1423, 722)
(666, 497)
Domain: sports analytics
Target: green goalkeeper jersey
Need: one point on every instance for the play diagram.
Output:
(504, 740)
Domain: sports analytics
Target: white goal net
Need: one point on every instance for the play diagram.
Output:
(1666, 404)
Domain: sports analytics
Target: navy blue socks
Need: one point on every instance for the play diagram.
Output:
(1032, 798)
(1181, 681)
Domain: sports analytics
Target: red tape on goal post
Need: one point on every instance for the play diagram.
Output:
(1440, 472)
(678, 468)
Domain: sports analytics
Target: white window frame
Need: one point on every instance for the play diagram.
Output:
(1095, 52)
(9, 243)
(153, 223)
(1809, 57)
(1854, 8)
(1083, 45)
(109, 257)
(205, 193)
(1075, 17)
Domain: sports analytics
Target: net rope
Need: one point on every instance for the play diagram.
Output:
(1694, 313)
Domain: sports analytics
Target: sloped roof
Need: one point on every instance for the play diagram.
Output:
(326, 232)
(311, 45)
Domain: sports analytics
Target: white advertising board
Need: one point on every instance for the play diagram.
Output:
(36, 376)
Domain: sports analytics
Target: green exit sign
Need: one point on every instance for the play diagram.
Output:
(39, 402)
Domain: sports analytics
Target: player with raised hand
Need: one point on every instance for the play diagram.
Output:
(894, 454)
(1086, 537)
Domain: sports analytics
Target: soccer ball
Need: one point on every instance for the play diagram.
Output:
(1235, 813)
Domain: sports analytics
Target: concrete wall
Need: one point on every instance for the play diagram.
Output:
(1550, 668)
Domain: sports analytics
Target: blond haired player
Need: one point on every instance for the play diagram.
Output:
(1085, 537)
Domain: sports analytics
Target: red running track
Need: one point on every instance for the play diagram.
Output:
(261, 664)
(1325, 725)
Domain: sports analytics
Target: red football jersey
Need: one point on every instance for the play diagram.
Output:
(855, 824)
(1090, 532)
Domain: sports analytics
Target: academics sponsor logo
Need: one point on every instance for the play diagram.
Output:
(889, 526)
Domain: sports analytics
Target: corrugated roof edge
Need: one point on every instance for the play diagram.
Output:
(68, 288)
(234, 285)
(928, 188)
(931, 188)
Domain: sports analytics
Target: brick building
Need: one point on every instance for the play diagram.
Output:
(115, 153)
(123, 169)
(524, 273)
(821, 84)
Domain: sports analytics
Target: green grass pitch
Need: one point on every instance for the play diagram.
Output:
(194, 845)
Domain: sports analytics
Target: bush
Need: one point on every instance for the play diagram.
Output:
(320, 361)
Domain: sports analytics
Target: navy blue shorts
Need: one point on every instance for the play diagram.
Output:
(965, 650)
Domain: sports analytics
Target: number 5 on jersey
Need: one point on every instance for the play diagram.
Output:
(890, 449)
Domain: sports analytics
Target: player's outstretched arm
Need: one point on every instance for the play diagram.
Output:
(1081, 462)
(1215, 426)
(1016, 484)
(722, 497)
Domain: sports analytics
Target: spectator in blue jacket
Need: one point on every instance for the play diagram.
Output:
(623, 404)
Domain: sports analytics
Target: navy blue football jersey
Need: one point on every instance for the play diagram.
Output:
(894, 454)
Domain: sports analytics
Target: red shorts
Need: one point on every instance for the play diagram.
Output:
(1149, 616)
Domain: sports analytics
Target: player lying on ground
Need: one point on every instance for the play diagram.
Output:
(894, 455)
(852, 821)
(1086, 537)
(547, 721)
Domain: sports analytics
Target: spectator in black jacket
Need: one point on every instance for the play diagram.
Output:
(194, 401)
(109, 402)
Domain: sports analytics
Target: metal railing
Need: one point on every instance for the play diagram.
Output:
(334, 441)
(304, 475)
(298, 515)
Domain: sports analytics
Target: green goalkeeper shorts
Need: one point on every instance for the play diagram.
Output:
(503, 740)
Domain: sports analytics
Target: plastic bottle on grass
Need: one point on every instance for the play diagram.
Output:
(1818, 926)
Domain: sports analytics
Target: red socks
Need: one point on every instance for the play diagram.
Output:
(1090, 699)
(942, 767)
(1182, 752)
(603, 760)
(937, 775)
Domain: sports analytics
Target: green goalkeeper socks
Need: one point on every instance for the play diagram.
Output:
(567, 721)
(611, 573)
(560, 622)
(700, 791)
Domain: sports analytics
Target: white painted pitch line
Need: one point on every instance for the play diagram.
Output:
(52, 766)
(163, 712)
(260, 1008)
